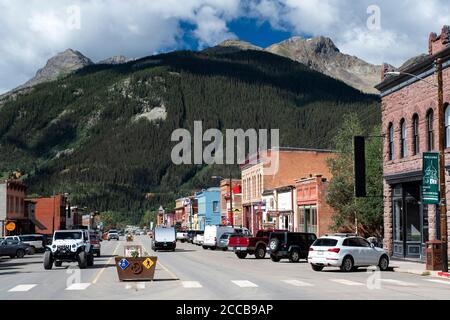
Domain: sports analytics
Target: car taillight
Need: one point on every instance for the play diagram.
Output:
(311, 249)
(335, 250)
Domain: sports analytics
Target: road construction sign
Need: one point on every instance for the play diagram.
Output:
(148, 263)
(10, 226)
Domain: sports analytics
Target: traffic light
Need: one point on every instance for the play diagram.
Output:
(360, 166)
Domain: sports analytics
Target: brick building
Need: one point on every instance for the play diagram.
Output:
(258, 175)
(313, 214)
(410, 127)
(51, 213)
(231, 202)
(279, 208)
(13, 208)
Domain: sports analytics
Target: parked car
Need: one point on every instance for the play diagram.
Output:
(95, 242)
(182, 236)
(198, 240)
(113, 234)
(164, 239)
(36, 241)
(347, 252)
(290, 245)
(242, 246)
(192, 234)
(224, 240)
(213, 233)
(14, 248)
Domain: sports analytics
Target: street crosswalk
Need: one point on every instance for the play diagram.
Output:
(244, 284)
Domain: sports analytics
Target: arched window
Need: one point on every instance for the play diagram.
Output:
(415, 132)
(430, 138)
(403, 142)
(447, 125)
(391, 141)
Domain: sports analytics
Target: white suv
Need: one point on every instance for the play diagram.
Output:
(69, 246)
(346, 252)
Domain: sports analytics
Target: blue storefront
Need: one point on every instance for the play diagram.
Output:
(208, 207)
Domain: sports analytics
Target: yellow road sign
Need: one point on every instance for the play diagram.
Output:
(148, 263)
(10, 226)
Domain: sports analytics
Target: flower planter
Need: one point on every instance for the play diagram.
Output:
(136, 269)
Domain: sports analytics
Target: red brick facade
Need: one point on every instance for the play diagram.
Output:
(293, 164)
(51, 212)
(312, 192)
(408, 101)
(229, 217)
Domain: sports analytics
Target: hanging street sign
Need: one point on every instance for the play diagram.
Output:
(430, 180)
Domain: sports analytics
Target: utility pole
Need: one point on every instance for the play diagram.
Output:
(442, 191)
(231, 201)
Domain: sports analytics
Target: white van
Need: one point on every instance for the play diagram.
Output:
(213, 234)
(164, 239)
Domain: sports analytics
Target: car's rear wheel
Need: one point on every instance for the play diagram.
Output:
(275, 258)
(82, 260)
(315, 267)
(48, 260)
(241, 255)
(20, 253)
(260, 252)
(225, 249)
(383, 264)
(294, 255)
(58, 263)
(347, 264)
(205, 247)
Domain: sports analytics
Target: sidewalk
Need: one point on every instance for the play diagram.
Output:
(418, 268)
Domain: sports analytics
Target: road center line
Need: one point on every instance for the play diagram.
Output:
(99, 273)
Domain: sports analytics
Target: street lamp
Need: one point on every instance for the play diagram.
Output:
(442, 191)
(399, 73)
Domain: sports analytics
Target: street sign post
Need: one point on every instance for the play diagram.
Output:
(430, 174)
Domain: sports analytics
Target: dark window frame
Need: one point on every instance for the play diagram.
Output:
(415, 132)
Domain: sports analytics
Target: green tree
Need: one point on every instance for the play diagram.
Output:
(368, 210)
(148, 217)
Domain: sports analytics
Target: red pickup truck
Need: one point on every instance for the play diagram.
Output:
(242, 245)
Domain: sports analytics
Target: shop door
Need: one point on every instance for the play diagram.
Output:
(408, 224)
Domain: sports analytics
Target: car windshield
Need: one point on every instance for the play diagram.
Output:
(325, 242)
(68, 235)
(225, 236)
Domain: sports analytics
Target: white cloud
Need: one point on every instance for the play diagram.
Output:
(31, 31)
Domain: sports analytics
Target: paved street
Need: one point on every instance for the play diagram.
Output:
(194, 273)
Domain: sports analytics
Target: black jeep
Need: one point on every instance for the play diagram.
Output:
(290, 245)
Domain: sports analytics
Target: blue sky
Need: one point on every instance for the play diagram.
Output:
(32, 31)
(259, 33)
